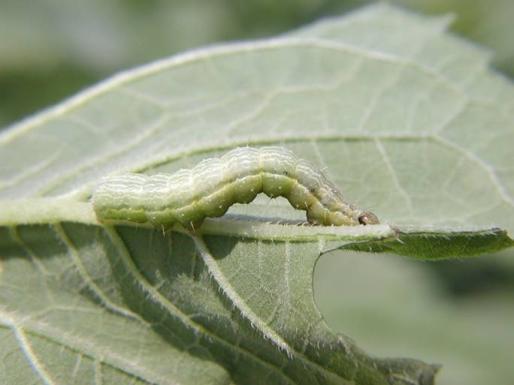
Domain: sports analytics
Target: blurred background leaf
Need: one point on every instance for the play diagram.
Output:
(395, 306)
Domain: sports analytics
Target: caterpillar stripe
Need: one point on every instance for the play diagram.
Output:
(189, 196)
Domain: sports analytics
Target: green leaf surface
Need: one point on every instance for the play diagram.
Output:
(434, 244)
(403, 117)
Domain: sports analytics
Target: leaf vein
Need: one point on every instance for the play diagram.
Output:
(175, 311)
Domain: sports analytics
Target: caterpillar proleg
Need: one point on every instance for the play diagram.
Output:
(213, 185)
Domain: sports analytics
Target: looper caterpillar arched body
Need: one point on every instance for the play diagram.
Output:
(213, 185)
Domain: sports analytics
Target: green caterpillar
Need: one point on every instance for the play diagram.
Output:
(189, 196)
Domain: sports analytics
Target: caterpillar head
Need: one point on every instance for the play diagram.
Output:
(368, 218)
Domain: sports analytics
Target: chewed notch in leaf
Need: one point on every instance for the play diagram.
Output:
(212, 186)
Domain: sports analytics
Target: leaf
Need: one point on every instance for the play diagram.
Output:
(437, 244)
(393, 109)
(479, 22)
